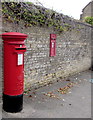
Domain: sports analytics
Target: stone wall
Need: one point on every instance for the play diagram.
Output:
(73, 53)
(73, 44)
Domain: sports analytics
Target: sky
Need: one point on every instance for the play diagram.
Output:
(72, 8)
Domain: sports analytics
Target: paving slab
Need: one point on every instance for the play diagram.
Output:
(50, 102)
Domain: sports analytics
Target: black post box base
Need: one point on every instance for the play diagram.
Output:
(12, 104)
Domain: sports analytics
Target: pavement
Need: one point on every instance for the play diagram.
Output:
(70, 98)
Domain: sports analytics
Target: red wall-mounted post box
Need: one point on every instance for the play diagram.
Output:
(14, 48)
(52, 44)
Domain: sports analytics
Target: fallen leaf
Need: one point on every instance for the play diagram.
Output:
(65, 89)
(68, 80)
(30, 95)
(69, 104)
(51, 94)
(34, 93)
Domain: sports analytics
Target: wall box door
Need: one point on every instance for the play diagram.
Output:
(52, 44)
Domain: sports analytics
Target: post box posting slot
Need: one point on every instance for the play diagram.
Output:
(52, 44)
(20, 49)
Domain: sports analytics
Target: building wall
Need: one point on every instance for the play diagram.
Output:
(87, 11)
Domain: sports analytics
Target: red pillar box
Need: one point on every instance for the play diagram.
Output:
(52, 44)
(14, 49)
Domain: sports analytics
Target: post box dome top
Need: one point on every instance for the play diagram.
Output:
(13, 35)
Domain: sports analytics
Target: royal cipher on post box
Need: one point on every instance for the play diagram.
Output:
(14, 48)
(52, 44)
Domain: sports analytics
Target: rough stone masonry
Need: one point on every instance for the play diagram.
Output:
(73, 52)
